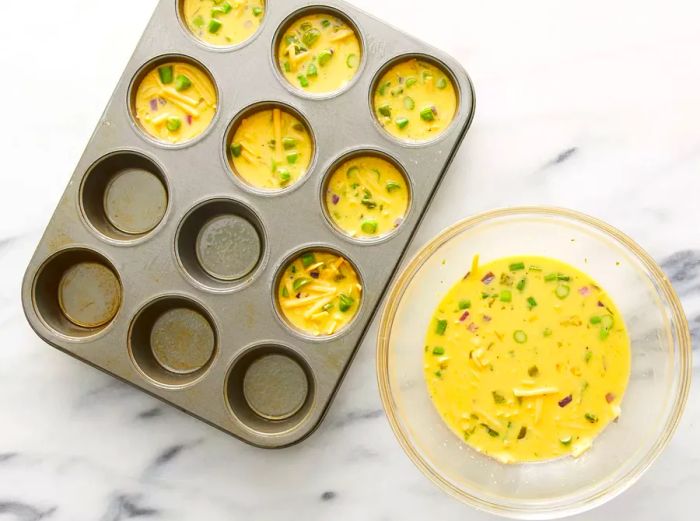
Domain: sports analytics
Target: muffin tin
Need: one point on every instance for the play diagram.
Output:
(167, 264)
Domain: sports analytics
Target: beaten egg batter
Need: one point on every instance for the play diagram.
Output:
(527, 359)
(319, 293)
(175, 102)
(367, 197)
(223, 22)
(415, 100)
(271, 149)
(319, 53)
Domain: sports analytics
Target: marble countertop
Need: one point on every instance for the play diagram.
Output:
(590, 105)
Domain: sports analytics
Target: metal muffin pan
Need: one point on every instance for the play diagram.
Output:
(184, 257)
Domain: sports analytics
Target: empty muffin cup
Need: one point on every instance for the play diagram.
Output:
(173, 340)
(77, 292)
(124, 196)
(220, 243)
(270, 389)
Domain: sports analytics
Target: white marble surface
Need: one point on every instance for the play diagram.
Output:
(589, 104)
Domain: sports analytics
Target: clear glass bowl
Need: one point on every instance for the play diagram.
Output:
(653, 403)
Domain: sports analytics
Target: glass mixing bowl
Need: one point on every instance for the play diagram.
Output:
(653, 402)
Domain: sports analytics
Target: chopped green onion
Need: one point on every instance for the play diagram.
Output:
(521, 284)
(517, 266)
(595, 320)
(308, 259)
(534, 268)
(310, 37)
(607, 321)
(592, 418)
(284, 292)
(392, 186)
(300, 283)
(303, 80)
(588, 356)
(562, 291)
(402, 122)
(311, 70)
(441, 84)
(285, 176)
(326, 23)
(427, 114)
(465, 304)
(292, 157)
(346, 302)
(182, 82)
(385, 110)
(165, 74)
(441, 327)
(289, 142)
(506, 296)
(566, 440)
(220, 9)
(351, 61)
(438, 351)
(522, 433)
(411, 81)
(198, 21)
(370, 227)
(604, 333)
(236, 149)
(520, 336)
(257, 11)
(382, 88)
(491, 432)
(565, 278)
(408, 103)
(214, 26)
(550, 277)
(498, 397)
(397, 91)
(531, 302)
(324, 57)
(173, 124)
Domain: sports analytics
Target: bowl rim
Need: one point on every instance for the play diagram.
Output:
(537, 511)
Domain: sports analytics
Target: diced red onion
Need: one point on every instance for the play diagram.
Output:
(314, 274)
(464, 316)
(610, 397)
(488, 278)
(600, 304)
(335, 199)
(585, 290)
(154, 104)
(434, 109)
(565, 401)
(189, 119)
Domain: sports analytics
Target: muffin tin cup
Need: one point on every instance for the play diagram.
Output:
(179, 263)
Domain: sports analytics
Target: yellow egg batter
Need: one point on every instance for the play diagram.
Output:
(415, 100)
(175, 102)
(367, 197)
(319, 293)
(223, 22)
(271, 149)
(527, 359)
(319, 53)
